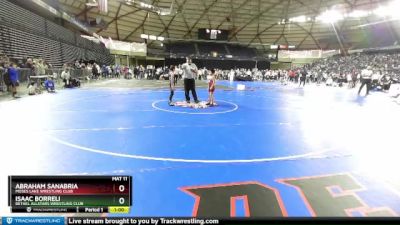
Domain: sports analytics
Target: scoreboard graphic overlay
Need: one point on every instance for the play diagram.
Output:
(80, 194)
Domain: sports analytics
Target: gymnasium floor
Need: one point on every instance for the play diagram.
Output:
(270, 150)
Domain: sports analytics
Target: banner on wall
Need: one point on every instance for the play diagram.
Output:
(306, 54)
(125, 48)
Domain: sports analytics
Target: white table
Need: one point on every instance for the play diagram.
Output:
(39, 78)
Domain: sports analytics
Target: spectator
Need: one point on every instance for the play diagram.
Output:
(33, 89)
(14, 79)
(77, 65)
(30, 65)
(95, 71)
(66, 76)
(40, 68)
(49, 85)
(303, 77)
(386, 81)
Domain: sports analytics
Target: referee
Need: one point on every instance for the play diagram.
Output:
(189, 75)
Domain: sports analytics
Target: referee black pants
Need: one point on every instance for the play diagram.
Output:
(190, 85)
(302, 80)
(365, 82)
(171, 95)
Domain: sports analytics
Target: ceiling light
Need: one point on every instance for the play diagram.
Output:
(129, 2)
(358, 14)
(381, 11)
(299, 19)
(330, 16)
(388, 11)
(144, 36)
(164, 12)
(274, 46)
(145, 5)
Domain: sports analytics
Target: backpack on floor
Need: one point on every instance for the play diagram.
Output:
(75, 82)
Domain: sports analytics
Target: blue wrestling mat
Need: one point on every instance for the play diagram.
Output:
(269, 150)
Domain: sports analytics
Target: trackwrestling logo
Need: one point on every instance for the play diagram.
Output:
(33, 220)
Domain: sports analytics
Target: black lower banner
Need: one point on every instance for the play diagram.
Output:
(210, 221)
(60, 209)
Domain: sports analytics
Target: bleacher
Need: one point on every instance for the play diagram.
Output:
(22, 16)
(54, 31)
(178, 49)
(206, 49)
(182, 49)
(71, 53)
(19, 44)
(241, 51)
(25, 34)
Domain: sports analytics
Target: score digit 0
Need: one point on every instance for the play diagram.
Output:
(121, 201)
(121, 188)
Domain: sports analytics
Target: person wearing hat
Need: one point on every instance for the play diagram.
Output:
(366, 76)
(189, 75)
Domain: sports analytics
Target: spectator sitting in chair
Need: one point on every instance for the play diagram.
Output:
(75, 82)
(49, 85)
(33, 89)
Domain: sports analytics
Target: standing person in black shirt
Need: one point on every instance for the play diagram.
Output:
(303, 77)
(136, 72)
